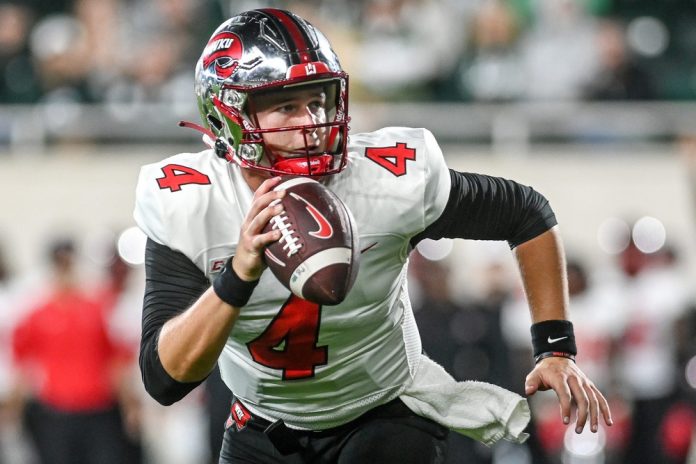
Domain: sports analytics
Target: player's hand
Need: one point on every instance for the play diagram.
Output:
(572, 388)
(248, 259)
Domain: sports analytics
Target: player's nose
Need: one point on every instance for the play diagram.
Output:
(307, 117)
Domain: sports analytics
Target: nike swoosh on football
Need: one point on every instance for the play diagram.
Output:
(325, 230)
(554, 340)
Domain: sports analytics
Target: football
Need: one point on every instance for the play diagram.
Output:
(317, 255)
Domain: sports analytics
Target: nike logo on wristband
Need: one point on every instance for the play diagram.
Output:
(554, 340)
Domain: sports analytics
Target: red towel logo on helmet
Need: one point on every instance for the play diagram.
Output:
(225, 50)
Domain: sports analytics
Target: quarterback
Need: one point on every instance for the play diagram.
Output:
(346, 383)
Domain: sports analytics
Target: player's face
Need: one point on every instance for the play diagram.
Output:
(288, 108)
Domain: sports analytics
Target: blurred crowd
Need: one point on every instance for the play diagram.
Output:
(131, 51)
(70, 390)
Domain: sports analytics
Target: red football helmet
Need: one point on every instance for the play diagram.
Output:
(267, 50)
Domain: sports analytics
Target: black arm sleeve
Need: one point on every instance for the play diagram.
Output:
(172, 284)
(490, 208)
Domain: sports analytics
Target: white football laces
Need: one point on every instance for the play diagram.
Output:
(288, 237)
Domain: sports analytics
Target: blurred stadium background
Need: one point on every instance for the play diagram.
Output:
(590, 101)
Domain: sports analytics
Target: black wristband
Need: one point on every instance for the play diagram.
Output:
(554, 354)
(231, 289)
(554, 336)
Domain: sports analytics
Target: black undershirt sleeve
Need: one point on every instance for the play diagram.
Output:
(172, 284)
(490, 208)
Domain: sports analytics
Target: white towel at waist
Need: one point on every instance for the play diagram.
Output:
(479, 410)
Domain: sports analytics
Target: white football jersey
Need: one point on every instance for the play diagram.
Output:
(314, 367)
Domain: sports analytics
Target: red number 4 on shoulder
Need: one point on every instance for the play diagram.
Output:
(393, 159)
(176, 175)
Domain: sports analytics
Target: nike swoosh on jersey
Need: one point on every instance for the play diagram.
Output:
(554, 340)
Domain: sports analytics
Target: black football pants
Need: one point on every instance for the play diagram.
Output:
(390, 433)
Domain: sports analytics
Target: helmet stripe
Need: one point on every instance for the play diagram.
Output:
(263, 14)
(298, 37)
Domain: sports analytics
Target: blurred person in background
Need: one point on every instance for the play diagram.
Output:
(491, 65)
(119, 292)
(655, 296)
(60, 49)
(619, 76)
(18, 81)
(559, 58)
(69, 370)
(405, 47)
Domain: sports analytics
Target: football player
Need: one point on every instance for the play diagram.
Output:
(345, 383)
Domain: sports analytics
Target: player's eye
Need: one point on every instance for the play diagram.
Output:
(316, 105)
(287, 108)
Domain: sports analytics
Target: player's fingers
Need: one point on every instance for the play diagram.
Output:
(260, 241)
(263, 195)
(532, 383)
(261, 202)
(603, 406)
(267, 185)
(581, 400)
(564, 399)
(259, 221)
(594, 407)
(265, 191)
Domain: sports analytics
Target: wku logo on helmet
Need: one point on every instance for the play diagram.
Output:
(225, 50)
(325, 230)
